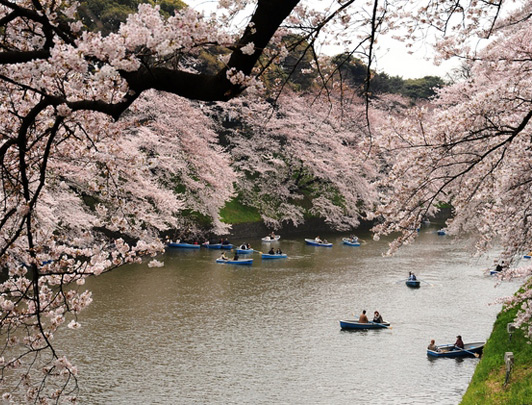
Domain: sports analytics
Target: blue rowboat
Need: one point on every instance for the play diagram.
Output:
(352, 324)
(350, 242)
(413, 283)
(450, 350)
(527, 257)
(239, 261)
(494, 272)
(274, 256)
(183, 245)
(227, 246)
(441, 232)
(244, 251)
(313, 242)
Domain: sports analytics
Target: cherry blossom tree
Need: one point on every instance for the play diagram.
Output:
(101, 152)
(471, 149)
(96, 162)
(306, 154)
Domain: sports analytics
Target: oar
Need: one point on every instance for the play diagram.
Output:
(381, 325)
(423, 281)
(258, 251)
(467, 351)
(401, 281)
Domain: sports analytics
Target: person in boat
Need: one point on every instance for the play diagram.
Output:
(278, 251)
(432, 346)
(271, 251)
(459, 344)
(244, 246)
(236, 256)
(223, 256)
(317, 239)
(248, 246)
(353, 239)
(225, 242)
(272, 235)
(377, 318)
(500, 266)
(411, 276)
(363, 318)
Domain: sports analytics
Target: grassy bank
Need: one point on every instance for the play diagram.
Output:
(235, 212)
(488, 383)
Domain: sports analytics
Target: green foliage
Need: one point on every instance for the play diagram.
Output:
(208, 61)
(350, 69)
(299, 62)
(106, 15)
(422, 88)
(354, 72)
(487, 385)
(235, 212)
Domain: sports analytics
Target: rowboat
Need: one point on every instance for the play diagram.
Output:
(352, 324)
(238, 261)
(270, 239)
(527, 257)
(183, 245)
(244, 251)
(227, 246)
(274, 256)
(449, 350)
(413, 283)
(313, 242)
(441, 232)
(350, 242)
(494, 272)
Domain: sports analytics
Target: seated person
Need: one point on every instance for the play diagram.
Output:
(223, 256)
(432, 346)
(278, 252)
(271, 251)
(236, 256)
(377, 318)
(363, 318)
(459, 342)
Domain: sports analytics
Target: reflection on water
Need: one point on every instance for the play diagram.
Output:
(199, 332)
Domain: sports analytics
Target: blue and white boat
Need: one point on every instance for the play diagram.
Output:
(227, 246)
(238, 261)
(441, 232)
(241, 251)
(314, 242)
(268, 256)
(450, 350)
(350, 241)
(355, 325)
(183, 245)
(270, 238)
(413, 283)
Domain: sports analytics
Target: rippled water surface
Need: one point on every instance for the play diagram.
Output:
(197, 332)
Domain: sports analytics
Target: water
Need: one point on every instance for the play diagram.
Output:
(197, 332)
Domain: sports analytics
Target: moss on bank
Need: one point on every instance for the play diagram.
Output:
(235, 212)
(487, 385)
